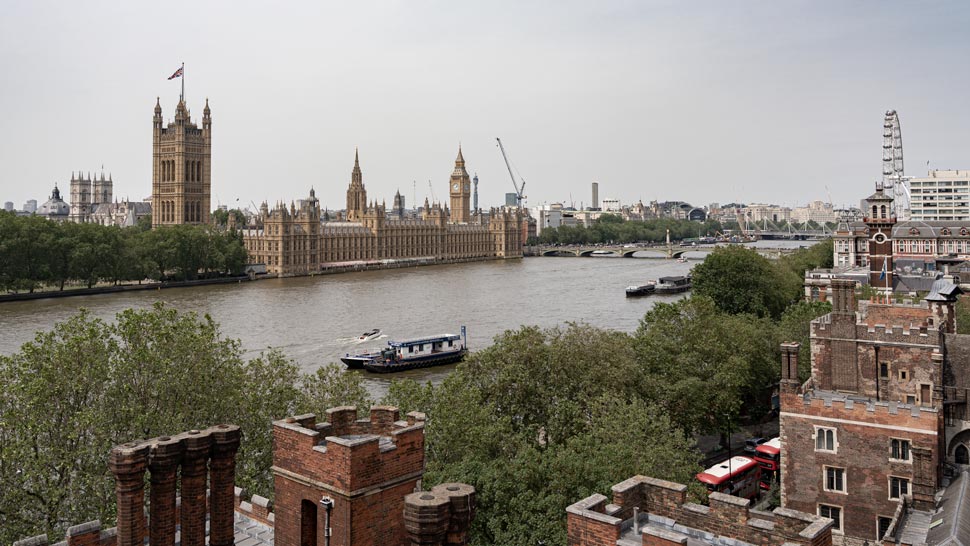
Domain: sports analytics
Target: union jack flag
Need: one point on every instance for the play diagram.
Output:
(178, 74)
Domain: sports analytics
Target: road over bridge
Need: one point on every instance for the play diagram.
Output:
(654, 252)
(659, 251)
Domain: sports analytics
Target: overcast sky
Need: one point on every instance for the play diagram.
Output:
(722, 101)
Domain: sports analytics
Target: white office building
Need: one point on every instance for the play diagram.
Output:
(941, 195)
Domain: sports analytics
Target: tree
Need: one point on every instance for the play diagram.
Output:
(705, 367)
(538, 420)
(739, 280)
(85, 386)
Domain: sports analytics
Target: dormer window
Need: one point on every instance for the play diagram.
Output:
(946, 231)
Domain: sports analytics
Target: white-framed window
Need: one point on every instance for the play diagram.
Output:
(898, 487)
(833, 479)
(834, 513)
(826, 439)
(899, 450)
(882, 526)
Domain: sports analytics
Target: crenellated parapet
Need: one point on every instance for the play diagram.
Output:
(652, 511)
(366, 465)
(345, 452)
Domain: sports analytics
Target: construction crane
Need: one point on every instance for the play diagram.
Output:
(519, 196)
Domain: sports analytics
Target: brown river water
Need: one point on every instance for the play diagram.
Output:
(315, 320)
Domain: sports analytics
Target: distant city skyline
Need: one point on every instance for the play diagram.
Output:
(701, 102)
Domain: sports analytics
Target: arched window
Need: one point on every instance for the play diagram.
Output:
(961, 455)
(882, 211)
(874, 213)
(198, 170)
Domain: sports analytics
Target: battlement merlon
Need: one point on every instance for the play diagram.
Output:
(593, 517)
(828, 405)
(347, 454)
(913, 333)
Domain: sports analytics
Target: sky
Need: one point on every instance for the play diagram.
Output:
(775, 101)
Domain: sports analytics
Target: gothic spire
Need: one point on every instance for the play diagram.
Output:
(357, 178)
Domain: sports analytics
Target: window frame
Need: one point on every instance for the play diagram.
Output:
(837, 528)
(889, 480)
(908, 450)
(878, 521)
(825, 480)
(835, 439)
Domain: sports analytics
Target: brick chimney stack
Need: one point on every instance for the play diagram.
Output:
(441, 517)
(222, 484)
(163, 457)
(843, 299)
(163, 463)
(789, 367)
(128, 464)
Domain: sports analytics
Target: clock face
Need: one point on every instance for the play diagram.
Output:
(455, 187)
(466, 187)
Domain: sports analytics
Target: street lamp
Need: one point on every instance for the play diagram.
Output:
(327, 504)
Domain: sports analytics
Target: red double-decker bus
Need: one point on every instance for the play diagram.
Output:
(768, 456)
(738, 476)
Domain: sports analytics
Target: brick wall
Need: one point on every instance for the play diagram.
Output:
(367, 466)
(863, 435)
(593, 522)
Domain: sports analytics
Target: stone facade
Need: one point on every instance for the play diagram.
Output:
(181, 168)
(87, 194)
(295, 241)
(655, 512)
(866, 433)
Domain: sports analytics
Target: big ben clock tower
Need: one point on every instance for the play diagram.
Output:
(460, 189)
(880, 217)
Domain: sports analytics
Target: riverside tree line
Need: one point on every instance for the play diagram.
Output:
(536, 421)
(37, 253)
(610, 228)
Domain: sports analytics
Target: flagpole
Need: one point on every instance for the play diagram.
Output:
(182, 96)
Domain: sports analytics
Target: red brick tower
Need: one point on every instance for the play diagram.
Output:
(366, 466)
(880, 218)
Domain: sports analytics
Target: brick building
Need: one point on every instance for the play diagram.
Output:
(370, 469)
(879, 424)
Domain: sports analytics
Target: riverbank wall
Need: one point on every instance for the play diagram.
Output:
(326, 269)
(25, 296)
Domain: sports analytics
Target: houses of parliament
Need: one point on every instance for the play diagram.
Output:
(298, 240)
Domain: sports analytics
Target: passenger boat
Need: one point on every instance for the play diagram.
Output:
(369, 335)
(411, 353)
(640, 290)
(672, 285)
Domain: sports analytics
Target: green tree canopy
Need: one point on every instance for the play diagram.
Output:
(541, 419)
(705, 367)
(74, 392)
(739, 280)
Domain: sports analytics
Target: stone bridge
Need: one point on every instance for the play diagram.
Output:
(661, 251)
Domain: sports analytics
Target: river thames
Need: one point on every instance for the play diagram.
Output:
(314, 320)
